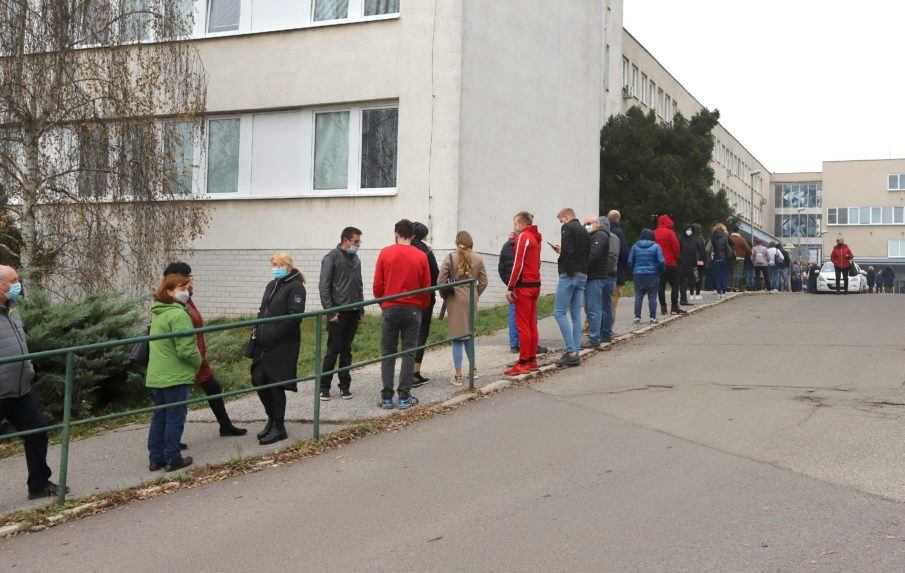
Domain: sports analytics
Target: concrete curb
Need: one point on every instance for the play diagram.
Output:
(495, 386)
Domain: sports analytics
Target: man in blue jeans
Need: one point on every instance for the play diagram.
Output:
(609, 285)
(507, 259)
(598, 254)
(573, 253)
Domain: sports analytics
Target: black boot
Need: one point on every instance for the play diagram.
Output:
(276, 434)
(266, 430)
(230, 431)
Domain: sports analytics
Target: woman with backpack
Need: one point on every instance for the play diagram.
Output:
(461, 265)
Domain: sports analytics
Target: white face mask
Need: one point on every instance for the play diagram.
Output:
(182, 296)
(689, 232)
(589, 228)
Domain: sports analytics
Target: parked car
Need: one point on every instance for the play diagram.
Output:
(857, 278)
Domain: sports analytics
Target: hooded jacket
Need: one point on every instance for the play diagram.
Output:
(172, 361)
(574, 249)
(612, 264)
(526, 267)
(720, 247)
(623, 268)
(760, 256)
(340, 281)
(507, 260)
(646, 256)
(666, 238)
(15, 377)
(598, 255)
(692, 249)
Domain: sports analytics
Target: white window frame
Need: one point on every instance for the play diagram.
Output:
(635, 76)
(900, 182)
(900, 243)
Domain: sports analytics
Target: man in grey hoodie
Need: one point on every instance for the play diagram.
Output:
(18, 404)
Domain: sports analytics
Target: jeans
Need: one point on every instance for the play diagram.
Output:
(513, 329)
(594, 308)
(606, 328)
(24, 413)
(670, 276)
(400, 323)
(569, 300)
(167, 424)
(646, 286)
(721, 272)
(340, 334)
(775, 277)
(749, 275)
(459, 347)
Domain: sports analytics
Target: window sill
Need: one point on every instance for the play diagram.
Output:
(307, 26)
(335, 194)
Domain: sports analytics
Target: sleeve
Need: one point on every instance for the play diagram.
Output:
(434, 269)
(443, 277)
(568, 243)
(612, 252)
(297, 299)
(624, 264)
(518, 266)
(631, 258)
(186, 346)
(661, 260)
(482, 277)
(325, 284)
(425, 282)
(501, 265)
(675, 246)
(596, 253)
(378, 287)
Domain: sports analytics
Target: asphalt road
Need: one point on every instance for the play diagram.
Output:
(761, 436)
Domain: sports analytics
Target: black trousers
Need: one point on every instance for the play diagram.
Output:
(764, 272)
(699, 284)
(273, 399)
(24, 413)
(340, 334)
(841, 278)
(217, 406)
(686, 284)
(424, 331)
(671, 276)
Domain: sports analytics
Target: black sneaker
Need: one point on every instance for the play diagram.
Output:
(418, 380)
(179, 463)
(569, 360)
(679, 311)
(325, 396)
(345, 394)
(49, 490)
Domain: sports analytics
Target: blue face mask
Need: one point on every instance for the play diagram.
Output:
(352, 250)
(279, 273)
(15, 292)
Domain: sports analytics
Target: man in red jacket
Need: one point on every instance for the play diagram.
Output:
(524, 290)
(842, 259)
(401, 268)
(669, 242)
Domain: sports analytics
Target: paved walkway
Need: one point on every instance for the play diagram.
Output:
(118, 459)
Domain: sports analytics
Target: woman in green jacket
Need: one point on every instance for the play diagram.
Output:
(172, 365)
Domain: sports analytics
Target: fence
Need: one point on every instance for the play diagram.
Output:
(67, 423)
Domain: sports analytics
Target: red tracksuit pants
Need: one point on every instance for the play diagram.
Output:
(526, 322)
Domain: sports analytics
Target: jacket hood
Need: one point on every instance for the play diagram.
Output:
(533, 230)
(647, 235)
(664, 221)
(697, 228)
(159, 308)
(604, 223)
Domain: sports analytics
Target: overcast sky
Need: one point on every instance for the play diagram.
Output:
(796, 81)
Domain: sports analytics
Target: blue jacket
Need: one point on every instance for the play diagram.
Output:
(646, 258)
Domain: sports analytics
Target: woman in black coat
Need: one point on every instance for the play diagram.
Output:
(276, 344)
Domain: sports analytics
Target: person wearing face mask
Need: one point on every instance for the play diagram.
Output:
(598, 259)
(18, 404)
(341, 285)
(276, 345)
(421, 231)
(173, 364)
(689, 255)
(205, 377)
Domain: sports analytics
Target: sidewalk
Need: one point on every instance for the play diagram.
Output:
(118, 459)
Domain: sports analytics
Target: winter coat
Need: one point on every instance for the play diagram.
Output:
(842, 256)
(691, 250)
(646, 256)
(720, 247)
(889, 277)
(526, 267)
(574, 248)
(507, 259)
(431, 263)
(871, 278)
(172, 361)
(623, 269)
(786, 258)
(612, 264)
(457, 306)
(668, 241)
(740, 245)
(760, 256)
(15, 377)
(205, 372)
(277, 344)
(598, 255)
(340, 281)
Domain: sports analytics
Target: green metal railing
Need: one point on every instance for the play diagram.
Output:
(68, 423)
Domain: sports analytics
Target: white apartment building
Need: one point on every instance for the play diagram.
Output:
(328, 113)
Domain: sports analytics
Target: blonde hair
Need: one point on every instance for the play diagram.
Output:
(285, 260)
(464, 245)
(720, 227)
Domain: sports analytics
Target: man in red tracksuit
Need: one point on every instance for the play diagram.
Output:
(524, 290)
(669, 242)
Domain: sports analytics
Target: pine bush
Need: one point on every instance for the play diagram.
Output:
(104, 379)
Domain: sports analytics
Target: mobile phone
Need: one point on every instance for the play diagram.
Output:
(552, 246)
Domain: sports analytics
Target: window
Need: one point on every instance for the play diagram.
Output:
(330, 10)
(897, 182)
(135, 20)
(843, 216)
(651, 101)
(645, 89)
(223, 15)
(865, 215)
(625, 77)
(223, 156)
(180, 153)
(877, 214)
(380, 7)
(898, 217)
(331, 150)
(606, 69)
(887, 215)
(94, 160)
(853, 216)
(379, 137)
(896, 248)
(660, 103)
(634, 81)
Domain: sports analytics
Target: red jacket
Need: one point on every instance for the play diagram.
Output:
(668, 241)
(526, 267)
(402, 268)
(842, 256)
(205, 373)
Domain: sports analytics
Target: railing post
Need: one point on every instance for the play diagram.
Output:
(472, 325)
(318, 360)
(67, 427)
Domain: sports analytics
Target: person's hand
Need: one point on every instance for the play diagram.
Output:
(334, 318)
(510, 297)
(556, 248)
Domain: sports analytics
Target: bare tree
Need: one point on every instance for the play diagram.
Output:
(101, 107)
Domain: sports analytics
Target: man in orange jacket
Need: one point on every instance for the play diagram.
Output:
(842, 259)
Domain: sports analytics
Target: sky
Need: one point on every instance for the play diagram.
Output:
(798, 82)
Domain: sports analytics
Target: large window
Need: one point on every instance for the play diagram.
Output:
(645, 90)
(896, 248)
(94, 159)
(223, 156)
(866, 216)
(180, 152)
(223, 15)
(330, 10)
(635, 92)
(135, 20)
(379, 139)
(625, 74)
(798, 195)
(897, 182)
(381, 7)
(792, 226)
(331, 150)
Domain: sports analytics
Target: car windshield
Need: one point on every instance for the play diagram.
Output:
(827, 268)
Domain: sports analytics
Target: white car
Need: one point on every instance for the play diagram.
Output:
(826, 280)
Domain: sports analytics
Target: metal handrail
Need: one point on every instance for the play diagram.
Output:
(71, 352)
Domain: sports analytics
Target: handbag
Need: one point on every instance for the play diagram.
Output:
(140, 353)
(448, 291)
(251, 345)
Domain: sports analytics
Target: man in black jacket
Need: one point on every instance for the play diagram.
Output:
(622, 271)
(427, 314)
(598, 275)
(691, 253)
(507, 259)
(341, 285)
(573, 278)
